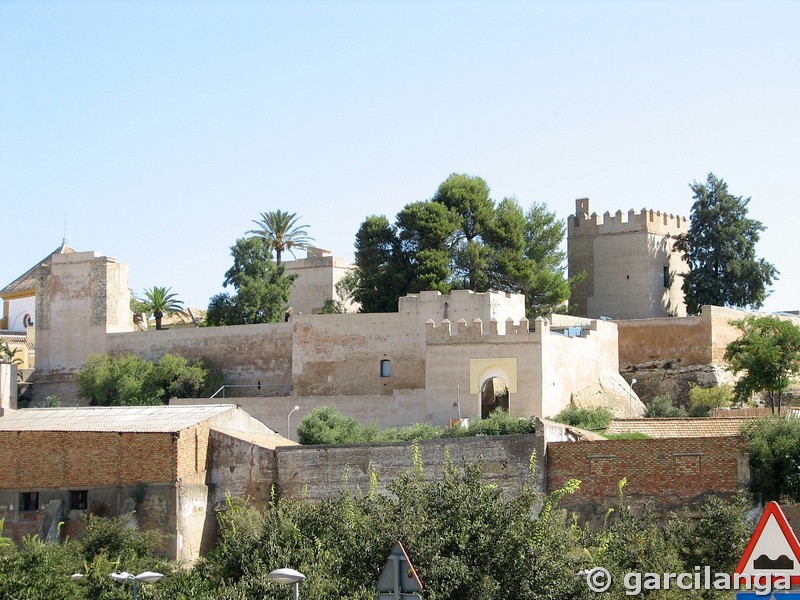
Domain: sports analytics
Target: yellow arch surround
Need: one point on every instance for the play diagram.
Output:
(481, 369)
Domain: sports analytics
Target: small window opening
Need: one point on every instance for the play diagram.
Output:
(386, 368)
(78, 499)
(29, 501)
(666, 277)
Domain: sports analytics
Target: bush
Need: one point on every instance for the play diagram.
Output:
(130, 380)
(499, 422)
(326, 425)
(705, 399)
(662, 406)
(774, 445)
(592, 419)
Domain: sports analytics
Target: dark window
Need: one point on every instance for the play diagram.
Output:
(78, 499)
(666, 277)
(29, 501)
(386, 368)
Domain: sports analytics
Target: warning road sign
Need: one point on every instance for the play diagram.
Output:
(773, 548)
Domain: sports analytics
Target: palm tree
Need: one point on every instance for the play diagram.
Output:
(9, 355)
(282, 232)
(160, 302)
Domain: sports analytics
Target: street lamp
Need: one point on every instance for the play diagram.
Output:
(630, 402)
(146, 577)
(288, 577)
(289, 422)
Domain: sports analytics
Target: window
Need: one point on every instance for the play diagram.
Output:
(78, 499)
(29, 501)
(386, 368)
(666, 277)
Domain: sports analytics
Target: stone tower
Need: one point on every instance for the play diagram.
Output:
(631, 268)
(81, 297)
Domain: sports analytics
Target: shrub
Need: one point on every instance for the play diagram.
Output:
(593, 419)
(130, 380)
(326, 425)
(662, 406)
(705, 399)
(774, 445)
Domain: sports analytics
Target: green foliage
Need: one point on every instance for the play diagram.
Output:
(705, 399)
(281, 231)
(332, 307)
(262, 287)
(663, 406)
(9, 355)
(774, 446)
(52, 401)
(720, 250)
(499, 422)
(633, 435)
(326, 425)
(461, 239)
(591, 419)
(767, 355)
(160, 301)
(130, 380)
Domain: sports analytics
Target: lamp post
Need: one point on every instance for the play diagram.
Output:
(630, 402)
(288, 577)
(146, 577)
(289, 422)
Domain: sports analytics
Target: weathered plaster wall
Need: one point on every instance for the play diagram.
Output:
(571, 364)
(403, 407)
(453, 373)
(81, 298)
(241, 468)
(623, 257)
(316, 281)
(319, 471)
(339, 355)
(8, 387)
(246, 354)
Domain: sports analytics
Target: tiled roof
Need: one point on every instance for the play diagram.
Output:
(145, 419)
(27, 281)
(668, 428)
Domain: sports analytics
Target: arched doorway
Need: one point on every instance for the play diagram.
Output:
(494, 394)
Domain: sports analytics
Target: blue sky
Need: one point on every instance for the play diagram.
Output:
(163, 128)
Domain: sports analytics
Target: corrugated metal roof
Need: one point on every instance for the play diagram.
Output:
(144, 419)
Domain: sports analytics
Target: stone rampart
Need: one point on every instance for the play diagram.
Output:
(650, 221)
(318, 472)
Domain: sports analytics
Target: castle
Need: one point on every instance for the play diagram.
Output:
(440, 357)
(630, 267)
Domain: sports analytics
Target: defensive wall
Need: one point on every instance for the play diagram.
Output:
(672, 472)
(318, 472)
(669, 355)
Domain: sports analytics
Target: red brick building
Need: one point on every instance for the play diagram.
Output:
(156, 462)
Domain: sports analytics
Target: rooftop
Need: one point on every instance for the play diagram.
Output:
(118, 419)
(26, 282)
(679, 427)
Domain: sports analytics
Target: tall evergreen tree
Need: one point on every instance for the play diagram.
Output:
(720, 250)
(461, 239)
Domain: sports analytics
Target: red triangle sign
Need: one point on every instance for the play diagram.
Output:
(773, 548)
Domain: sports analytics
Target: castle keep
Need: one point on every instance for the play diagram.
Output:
(630, 267)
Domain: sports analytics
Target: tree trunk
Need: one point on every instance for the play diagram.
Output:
(158, 315)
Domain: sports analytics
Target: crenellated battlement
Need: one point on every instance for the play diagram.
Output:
(463, 332)
(584, 224)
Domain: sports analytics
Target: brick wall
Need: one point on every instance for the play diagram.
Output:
(54, 459)
(672, 471)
